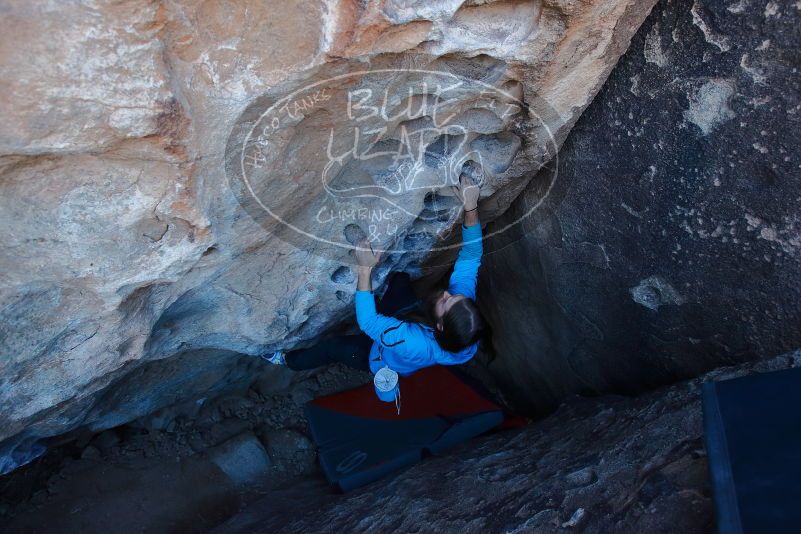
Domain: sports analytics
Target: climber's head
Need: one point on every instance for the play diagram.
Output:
(456, 320)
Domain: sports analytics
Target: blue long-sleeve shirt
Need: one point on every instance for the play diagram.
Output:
(406, 347)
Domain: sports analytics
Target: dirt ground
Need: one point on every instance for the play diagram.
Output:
(158, 474)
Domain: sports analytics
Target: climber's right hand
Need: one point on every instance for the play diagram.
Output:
(366, 256)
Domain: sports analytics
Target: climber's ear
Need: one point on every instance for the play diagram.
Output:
(440, 326)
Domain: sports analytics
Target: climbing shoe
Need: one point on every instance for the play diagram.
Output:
(276, 357)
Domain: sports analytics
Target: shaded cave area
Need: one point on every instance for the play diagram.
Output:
(190, 466)
(166, 471)
(244, 462)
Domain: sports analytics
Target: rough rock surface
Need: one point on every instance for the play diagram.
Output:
(158, 473)
(672, 242)
(129, 265)
(242, 458)
(613, 464)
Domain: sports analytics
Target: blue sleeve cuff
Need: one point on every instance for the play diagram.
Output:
(470, 233)
(472, 247)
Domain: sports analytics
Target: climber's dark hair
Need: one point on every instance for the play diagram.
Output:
(462, 325)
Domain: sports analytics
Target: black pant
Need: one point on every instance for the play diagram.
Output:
(354, 350)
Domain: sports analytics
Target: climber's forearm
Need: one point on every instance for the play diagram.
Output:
(471, 217)
(364, 282)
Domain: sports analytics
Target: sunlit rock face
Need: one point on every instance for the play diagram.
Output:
(141, 265)
(671, 243)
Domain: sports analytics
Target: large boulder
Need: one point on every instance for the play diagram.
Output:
(139, 269)
(671, 243)
(242, 458)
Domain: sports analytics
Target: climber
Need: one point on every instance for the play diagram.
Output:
(446, 333)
